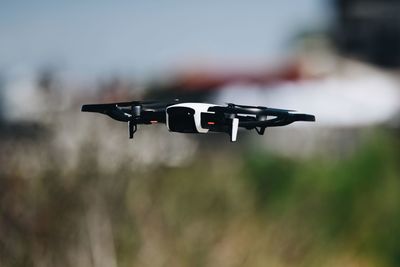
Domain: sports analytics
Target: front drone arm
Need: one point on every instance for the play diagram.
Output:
(111, 110)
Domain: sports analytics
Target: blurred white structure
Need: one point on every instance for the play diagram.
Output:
(357, 95)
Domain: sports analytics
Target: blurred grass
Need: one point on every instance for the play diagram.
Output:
(236, 207)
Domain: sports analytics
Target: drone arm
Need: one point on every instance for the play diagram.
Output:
(280, 120)
(290, 118)
(302, 117)
(108, 109)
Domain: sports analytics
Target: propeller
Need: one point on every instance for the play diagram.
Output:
(232, 105)
(280, 110)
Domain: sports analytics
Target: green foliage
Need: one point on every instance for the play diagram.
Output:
(353, 200)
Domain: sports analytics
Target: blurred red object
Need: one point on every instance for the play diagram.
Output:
(209, 80)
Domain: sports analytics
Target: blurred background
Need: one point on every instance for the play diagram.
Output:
(75, 191)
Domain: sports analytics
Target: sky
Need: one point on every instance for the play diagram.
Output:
(92, 38)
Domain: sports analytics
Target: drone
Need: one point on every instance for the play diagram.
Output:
(202, 118)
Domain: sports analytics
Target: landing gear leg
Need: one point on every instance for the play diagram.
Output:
(132, 129)
(260, 130)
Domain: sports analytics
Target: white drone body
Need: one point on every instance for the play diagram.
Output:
(186, 109)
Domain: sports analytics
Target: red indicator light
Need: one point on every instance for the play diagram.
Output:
(211, 123)
(153, 122)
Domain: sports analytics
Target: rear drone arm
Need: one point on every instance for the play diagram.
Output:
(279, 120)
